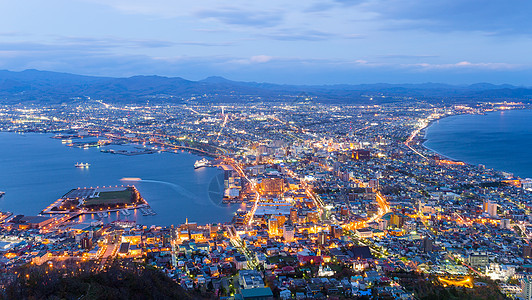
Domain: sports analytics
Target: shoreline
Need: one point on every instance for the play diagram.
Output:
(223, 214)
(424, 139)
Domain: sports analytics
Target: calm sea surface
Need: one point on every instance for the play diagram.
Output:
(36, 170)
(500, 140)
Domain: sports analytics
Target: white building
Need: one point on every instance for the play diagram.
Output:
(527, 184)
(526, 288)
(500, 272)
(490, 208)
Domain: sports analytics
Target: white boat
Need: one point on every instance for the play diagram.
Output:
(82, 165)
(201, 163)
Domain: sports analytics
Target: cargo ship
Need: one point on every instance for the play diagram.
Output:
(82, 165)
(201, 163)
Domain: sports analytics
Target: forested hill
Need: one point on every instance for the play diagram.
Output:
(45, 86)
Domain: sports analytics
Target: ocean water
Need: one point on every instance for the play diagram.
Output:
(36, 170)
(499, 140)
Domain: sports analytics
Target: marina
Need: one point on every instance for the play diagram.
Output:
(147, 211)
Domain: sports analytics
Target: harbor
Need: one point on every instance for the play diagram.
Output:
(99, 200)
(170, 184)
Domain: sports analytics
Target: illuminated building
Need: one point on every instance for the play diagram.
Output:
(272, 185)
(383, 224)
(322, 237)
(397, 220)
(86, 243)
(325, 272)
(500, 272)
(374, 184)
(273, 226)
(478, 259)
(490, 208)
(250, 279)
(336, 231)
(364, 233)
(360, 155)
(312, 217)
(527, 184)
(293, 215)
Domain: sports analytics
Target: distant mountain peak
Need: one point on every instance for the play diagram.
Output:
(36, 85)
(216, 79)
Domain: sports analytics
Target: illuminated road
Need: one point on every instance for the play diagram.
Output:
(384, 208)
(308, 190)
(110, 251)
(237, 242)
(423, 124)
(253, 185)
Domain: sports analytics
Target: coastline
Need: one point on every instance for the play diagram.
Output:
(165, 193)
(423, 140)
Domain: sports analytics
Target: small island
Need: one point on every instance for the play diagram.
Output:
(99, 199)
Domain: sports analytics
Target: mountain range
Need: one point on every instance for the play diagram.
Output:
(54, 87)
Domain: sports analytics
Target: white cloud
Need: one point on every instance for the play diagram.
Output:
(467, 65)
(260, 59)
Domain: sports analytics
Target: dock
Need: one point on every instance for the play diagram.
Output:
(147, 211)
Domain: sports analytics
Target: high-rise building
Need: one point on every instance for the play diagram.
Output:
(293, 215)
(383, 224)
(374, 184)
(273, 226)
(478, 259)
(336, 231)
(505, 224)
(322, 237)
(527, 251)
(526, 288)
(490, 208)
(86, 243)
(409, 226)
(427, 244)
(288, 233)
(397, 220)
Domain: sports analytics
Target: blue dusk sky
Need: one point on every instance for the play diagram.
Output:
(294, 42)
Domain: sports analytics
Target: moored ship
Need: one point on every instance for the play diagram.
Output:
(201, 163)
